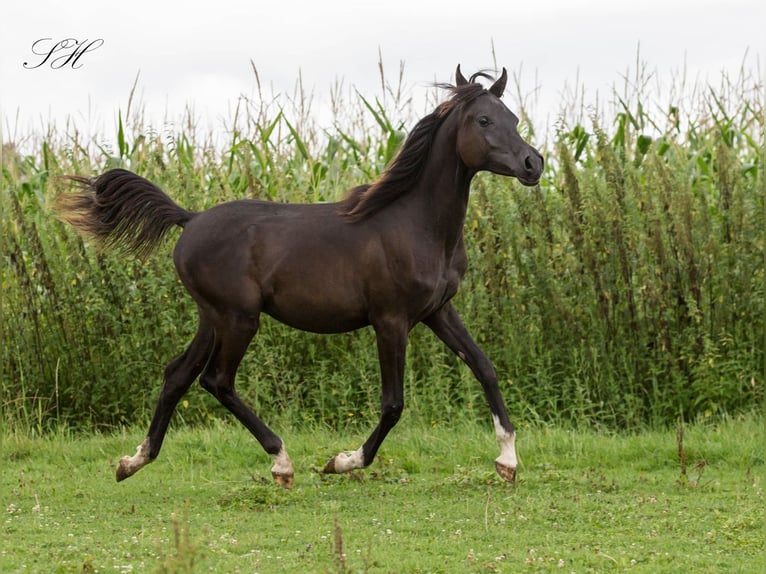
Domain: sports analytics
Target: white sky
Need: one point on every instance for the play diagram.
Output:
(199, 52)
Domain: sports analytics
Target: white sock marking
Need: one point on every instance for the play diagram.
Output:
(131, 464)
(346, 461)
(283, 466)
(142, 454)
(507, 442)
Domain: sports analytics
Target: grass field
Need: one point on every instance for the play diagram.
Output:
(584, 502)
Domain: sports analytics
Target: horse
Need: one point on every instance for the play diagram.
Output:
(390, 254)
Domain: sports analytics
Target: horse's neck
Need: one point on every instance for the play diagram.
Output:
(442, 191)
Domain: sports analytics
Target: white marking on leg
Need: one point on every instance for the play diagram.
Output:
(507, 442)
(141, 458)
(283, 466)
(346, 461)
(129, 465)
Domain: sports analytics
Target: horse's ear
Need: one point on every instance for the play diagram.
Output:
(459, 77)
(498, 87)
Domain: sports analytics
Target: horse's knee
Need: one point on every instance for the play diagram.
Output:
(391, 412)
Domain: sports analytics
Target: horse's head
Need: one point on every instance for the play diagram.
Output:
(488, 139)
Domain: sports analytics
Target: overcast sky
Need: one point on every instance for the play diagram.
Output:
(199, 52)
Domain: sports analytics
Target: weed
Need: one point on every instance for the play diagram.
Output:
(185, 552)
(339, 556)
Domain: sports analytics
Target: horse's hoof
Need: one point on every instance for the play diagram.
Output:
(284, 480)
(508, 473)
(124, 469)
(329, 468)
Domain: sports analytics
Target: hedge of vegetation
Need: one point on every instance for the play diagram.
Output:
(626, 289)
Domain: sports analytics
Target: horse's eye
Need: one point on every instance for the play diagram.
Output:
(484, 121)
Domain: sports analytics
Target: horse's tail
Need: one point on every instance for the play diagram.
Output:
(121, 210)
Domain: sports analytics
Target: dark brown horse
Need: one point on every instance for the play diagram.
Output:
(390, 255)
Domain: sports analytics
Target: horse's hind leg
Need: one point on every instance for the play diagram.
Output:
(179, 375)
(231, 342)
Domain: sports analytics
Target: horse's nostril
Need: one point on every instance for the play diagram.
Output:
(528, 164)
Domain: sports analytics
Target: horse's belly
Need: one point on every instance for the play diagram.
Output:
(316, 312)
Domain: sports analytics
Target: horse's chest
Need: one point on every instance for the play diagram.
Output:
(449, 284)
(438, 287)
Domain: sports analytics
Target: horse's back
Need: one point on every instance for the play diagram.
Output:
(251, 256)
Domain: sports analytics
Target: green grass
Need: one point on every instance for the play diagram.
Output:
(585, 502)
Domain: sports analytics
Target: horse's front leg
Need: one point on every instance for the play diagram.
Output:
(392, 347)
(446, 324)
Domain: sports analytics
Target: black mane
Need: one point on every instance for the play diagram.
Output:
(406, 167)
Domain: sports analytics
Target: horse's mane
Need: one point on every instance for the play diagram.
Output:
(405, 169)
